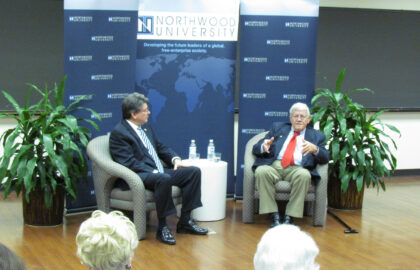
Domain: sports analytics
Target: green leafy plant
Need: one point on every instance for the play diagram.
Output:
(356, 138)
(45, 147)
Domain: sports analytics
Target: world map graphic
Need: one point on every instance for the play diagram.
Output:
(180, 77)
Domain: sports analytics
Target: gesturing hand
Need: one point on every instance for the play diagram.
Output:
(308, 147)
(267, 144)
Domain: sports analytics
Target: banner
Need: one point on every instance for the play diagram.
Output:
(186, 56)
(277, 65)
(100, 52)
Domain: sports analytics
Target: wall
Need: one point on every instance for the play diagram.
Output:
(409, 125)
(407, 122)
(375, 4)
(31, 47)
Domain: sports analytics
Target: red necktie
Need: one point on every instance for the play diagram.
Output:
(288, 158)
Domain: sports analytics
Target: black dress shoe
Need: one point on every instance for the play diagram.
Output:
(191, 228)
(275, 217)
(288, 220)
(164, 235)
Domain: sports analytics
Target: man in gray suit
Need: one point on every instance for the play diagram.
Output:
(290, 151)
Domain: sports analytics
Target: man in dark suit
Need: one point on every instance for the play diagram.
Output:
(290, 151)
(134, 144)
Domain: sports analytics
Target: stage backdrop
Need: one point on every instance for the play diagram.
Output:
(100, 52)
(185, 65)
(277, 65)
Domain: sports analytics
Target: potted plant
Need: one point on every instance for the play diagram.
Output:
(42, 155)
(358, 144)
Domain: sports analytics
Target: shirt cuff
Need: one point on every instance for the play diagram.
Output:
(175, 158)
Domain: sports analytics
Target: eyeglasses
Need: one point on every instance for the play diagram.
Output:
(145, 110)
(296, 117)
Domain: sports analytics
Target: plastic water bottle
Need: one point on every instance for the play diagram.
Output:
(192, 150)
(210, 150)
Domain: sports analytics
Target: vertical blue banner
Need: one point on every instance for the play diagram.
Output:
(186, 57)
(277, 65)
(100, 53)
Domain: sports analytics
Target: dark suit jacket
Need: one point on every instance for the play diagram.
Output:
(127, 148)
(280, 131)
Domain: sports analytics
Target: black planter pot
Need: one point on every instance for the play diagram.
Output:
(36, 213)
(351, 199)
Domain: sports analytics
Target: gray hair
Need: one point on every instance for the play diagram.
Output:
(299, 106)
(106, 241)
(132, 103)
(9, 260)
(286, 247)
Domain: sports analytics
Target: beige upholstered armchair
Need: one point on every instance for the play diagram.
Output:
(316, 198)
(105, 172)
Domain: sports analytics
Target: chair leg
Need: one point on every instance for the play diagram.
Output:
(140, 221)
(248, 210)
(320, 212)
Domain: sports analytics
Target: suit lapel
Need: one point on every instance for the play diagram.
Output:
(136, 137)
(282, 136)
(309, 136)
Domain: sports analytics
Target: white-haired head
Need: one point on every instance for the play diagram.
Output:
(299, 106)
(106, 241)
(286, 247)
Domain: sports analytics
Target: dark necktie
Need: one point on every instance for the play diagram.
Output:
(288, 158)
(151, 149)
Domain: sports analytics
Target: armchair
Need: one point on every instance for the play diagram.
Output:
(105, 172)
(316, 197)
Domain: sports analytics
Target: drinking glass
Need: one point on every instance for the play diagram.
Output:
(217, 156)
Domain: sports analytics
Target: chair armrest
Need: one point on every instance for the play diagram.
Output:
(249, 180)
(106, 171)
(322, 170)
(320, 207)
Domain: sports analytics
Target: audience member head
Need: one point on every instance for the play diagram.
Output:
(106, 241)
(286, 247)
(9, 260)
